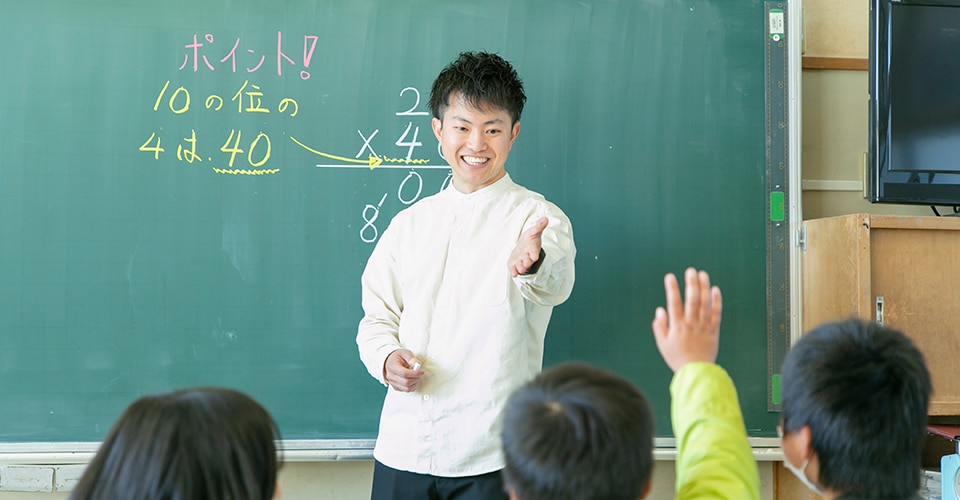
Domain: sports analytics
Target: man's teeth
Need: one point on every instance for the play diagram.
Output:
(474, 160)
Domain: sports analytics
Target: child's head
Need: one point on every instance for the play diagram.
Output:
(482, 80)
(577, 431)
(862, 389)
(194, 443)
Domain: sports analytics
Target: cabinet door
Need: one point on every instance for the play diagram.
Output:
(836, 270)
(913, 264)
(917, 272)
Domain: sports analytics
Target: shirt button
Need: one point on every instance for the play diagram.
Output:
(426, 397)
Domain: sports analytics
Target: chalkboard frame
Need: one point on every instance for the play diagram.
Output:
(360, 445)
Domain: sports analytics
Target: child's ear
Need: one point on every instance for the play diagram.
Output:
(646, 491)
(798, 443)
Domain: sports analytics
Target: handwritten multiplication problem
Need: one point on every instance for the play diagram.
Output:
(412, 186)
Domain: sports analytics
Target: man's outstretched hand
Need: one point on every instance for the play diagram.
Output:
(527, 251)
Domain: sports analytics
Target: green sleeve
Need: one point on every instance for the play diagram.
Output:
(714, 459)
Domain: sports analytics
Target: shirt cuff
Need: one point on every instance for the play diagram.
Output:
(536, 265)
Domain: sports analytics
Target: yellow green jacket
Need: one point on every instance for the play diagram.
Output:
(714, 459)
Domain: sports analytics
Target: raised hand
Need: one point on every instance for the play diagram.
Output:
(690, 331)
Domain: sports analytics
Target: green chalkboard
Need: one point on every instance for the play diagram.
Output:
(189, 190)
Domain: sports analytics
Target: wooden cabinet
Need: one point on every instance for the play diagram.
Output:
(911, 265)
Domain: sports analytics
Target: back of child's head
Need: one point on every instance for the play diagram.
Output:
(863, 389)
(203, 443)
(576, 432)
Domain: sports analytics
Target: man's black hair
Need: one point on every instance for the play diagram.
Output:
(482, 80)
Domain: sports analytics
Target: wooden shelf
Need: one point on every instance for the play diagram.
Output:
(845, 63)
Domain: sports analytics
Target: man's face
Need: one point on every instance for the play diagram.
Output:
(475, 143)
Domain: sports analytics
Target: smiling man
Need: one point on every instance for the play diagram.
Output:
(457, 296)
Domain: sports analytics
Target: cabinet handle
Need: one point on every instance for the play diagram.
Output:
(879, 314)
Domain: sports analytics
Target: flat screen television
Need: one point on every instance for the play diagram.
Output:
(914, 67)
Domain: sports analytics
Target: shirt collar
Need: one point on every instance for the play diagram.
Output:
(500, 186)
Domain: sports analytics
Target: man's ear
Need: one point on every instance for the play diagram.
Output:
(514, 132)
(437, 126)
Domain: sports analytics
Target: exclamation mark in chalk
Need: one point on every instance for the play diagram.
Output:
(309, 44)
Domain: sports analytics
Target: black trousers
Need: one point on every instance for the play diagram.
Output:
(392, 484)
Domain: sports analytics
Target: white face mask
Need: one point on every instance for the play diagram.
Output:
(801, 474)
